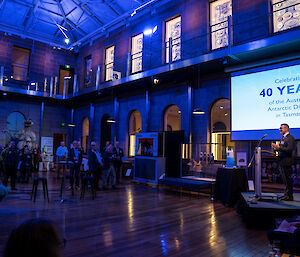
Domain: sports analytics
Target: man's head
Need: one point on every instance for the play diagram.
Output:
(117, 144)
(93, 145)
(107, 143)
(26, 150)
(75, 144)
(28, 143)
(110, 148)
(62, 143)
(12, 144)
(284, 128)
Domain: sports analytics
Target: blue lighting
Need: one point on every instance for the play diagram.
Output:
(163, 244)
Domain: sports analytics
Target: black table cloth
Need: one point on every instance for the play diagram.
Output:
(229, 185)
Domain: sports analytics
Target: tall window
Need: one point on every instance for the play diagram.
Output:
(220, 129)
(137, 53)
(109, 63)
(286, 14)
(173, 33)
(20, 62)
(135, 126)
(88, 71)
(219, 12)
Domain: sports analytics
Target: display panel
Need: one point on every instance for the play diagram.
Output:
(262, 100)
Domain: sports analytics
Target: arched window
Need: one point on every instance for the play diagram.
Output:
(85, 134)
(172, 118)
(15, 122)
(134, 126)
(220, 128)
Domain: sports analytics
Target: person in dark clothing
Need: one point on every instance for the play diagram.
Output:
(1, 161)
(76, 160)
(286, 150)
(95, 164)
(109, 168)
(118, 154)
(35, 238)
(36, 154)
(26, 165)
(11, 159)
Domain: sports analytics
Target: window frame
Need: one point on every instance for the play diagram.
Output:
(111, 63)
(141, 52)
(20, 65)
(210, 26)
(88, 57)
(272, 13)
(165, 42)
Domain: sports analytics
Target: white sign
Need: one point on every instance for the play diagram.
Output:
(47, 148)
(241, 159)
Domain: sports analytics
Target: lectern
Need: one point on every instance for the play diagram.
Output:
(257, 183)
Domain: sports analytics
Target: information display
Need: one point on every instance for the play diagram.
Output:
(261, 101)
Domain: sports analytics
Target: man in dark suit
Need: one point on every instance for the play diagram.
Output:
(95, 164)
(286, 150)
(118, 155)
(76, 160)
(11, 160)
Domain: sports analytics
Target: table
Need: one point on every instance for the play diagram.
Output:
(230, 183)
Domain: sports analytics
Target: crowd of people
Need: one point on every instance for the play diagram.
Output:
(105, 163)
(12, 160)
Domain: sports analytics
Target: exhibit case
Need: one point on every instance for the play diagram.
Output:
(149, 162)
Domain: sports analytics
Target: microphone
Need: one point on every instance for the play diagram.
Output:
(265, 135)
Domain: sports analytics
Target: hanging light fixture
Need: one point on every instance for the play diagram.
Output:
(198, 111)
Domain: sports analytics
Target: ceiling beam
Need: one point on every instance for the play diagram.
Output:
(114, 7)
(70, 25)
(2, 4)
(40, 7)
(30, 17)
(95, 18)
(37, 37)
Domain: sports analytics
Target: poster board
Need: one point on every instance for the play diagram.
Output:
(47, 148)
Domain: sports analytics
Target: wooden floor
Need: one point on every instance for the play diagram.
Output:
(137, 220)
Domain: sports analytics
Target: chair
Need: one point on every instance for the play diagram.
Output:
(85, 181)
(35, 186)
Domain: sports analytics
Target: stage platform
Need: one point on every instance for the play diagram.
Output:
(263, 213)
(191, 183)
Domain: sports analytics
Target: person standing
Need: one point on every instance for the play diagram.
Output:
(26, 165)
(76, 160)
(108, 167)
(95, 164)
(286, 150)
(61, 157)
(1, 161)
(36, 154)
(118, 155)
(11, 160)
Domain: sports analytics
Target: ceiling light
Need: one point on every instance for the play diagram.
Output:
(226, 114)
(221, 107)
(67, 41)
(4, 94)
(147, 32)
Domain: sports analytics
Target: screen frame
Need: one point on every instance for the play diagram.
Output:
(247, 71)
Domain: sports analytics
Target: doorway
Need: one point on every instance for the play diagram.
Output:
(57, 138)
(105, 131)
(65, 72)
